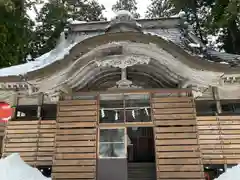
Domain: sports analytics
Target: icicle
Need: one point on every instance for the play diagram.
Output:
(116, 116)
(102, 113)
(133, 114)
(146, 110)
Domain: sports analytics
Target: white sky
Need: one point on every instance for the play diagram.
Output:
(142, 8)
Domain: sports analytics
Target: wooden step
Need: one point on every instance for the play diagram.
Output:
(141, 171)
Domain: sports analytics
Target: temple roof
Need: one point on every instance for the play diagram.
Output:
(173, 30)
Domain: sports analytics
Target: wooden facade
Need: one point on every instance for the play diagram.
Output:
(184, 142)
(76, 140)
(154, 108)
(219, 139)
(33, 140)
(176, 138)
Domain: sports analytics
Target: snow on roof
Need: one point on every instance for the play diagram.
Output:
(225, 56)
(59, 52)
(56, 54)
(181, 14)
(194, 45)
(173, 35)
(78, 22)
(231, 174)
(123, 13)
(64, 46)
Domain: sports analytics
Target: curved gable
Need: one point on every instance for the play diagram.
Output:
(87, 45)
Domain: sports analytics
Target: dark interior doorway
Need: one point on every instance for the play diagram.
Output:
(141, 153)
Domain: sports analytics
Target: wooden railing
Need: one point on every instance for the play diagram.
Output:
(219, 139)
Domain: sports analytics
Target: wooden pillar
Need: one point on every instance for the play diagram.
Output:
(13, 104)
(39, 109)
(217, 99)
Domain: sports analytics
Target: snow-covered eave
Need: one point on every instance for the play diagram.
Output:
(81, 48)
(138, 20)
(164, 23)
(219, 57)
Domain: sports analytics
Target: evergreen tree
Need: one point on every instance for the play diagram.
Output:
(15, 33)
(224, 21)
(160, 8)
(209, 18)
(53, 18)
(128, 5)
(87, 11)
(50, 23)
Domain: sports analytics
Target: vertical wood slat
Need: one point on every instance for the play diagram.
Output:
(75, 143)
(177, 149)
(45, 146)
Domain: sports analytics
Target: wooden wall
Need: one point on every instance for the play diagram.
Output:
(219, 138)
(176, 141)
(183, 141)
(34, 140)
(75, 156)
(2, 131)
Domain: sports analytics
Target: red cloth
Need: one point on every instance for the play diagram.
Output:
(207, 177)
(6, 111)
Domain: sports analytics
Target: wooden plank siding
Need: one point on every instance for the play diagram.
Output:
(219, 138)
(75, 153)
(2, 132)
(176, 141)
(33, 140)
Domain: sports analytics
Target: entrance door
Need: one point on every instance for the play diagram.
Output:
(118, 112)
(141, 154)
(112, 158)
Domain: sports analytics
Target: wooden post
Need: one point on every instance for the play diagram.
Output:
(217, 99)
(39, 116)
(14, 103)
(219, 111)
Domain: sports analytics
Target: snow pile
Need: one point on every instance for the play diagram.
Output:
(14, 168)
(231, 174)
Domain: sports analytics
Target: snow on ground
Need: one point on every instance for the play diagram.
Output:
(14, 168)
(231, 174)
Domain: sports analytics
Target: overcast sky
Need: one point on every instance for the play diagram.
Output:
(142, 7)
